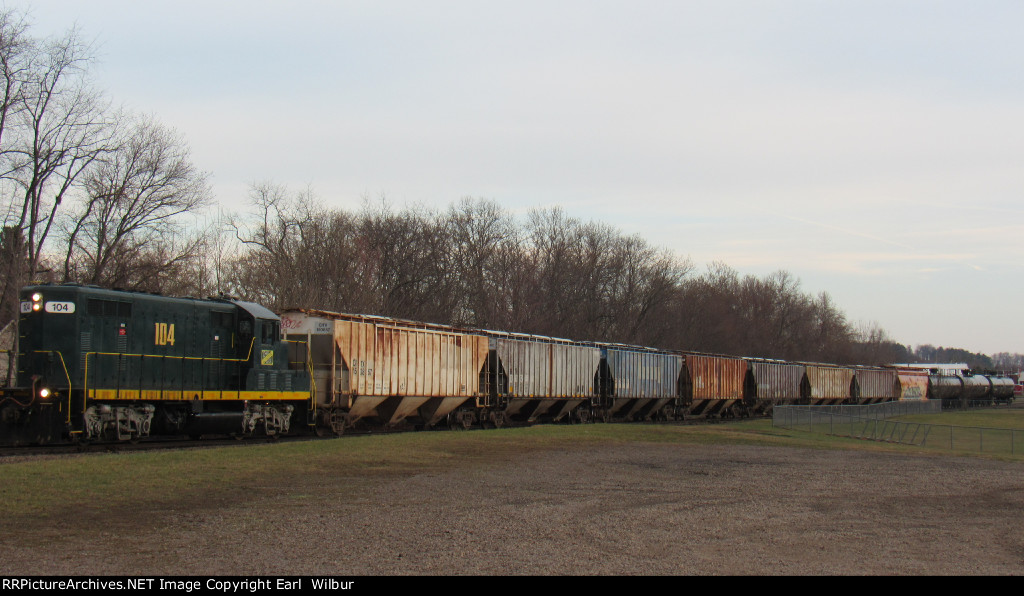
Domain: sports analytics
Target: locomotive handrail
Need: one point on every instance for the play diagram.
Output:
(67, 376)
(309, 369)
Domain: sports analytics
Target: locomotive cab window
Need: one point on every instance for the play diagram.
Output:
(270, 331)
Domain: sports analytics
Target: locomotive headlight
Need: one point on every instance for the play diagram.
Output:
(44, 392)
(37, 297)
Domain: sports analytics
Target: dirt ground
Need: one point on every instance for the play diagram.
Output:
(635, 509)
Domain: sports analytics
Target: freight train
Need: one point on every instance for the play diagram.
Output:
(96, 364)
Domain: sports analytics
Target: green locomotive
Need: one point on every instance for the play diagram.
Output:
(100, 364)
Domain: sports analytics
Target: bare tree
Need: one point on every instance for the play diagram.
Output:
(63, 131)
(135, 197)
(409, 251)
(479, 231)
(16, 58)
(16, 51)
(52, 127)
(271, 238)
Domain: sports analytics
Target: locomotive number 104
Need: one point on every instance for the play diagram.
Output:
(164, 334)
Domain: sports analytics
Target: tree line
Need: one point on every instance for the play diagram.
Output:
(98, 195)
(92, 193)
(476, 265)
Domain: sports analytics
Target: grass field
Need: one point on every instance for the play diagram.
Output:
(994, 432)
(47, 486)
(989, 418)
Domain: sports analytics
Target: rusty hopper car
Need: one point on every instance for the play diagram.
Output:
(530, 378)
(636, 383)
(913, 384)
(828, 385)
(714, 385)
(876, 385)
(772, 383)
(388, 371)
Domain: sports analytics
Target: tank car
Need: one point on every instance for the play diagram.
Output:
(100, 364)
(1001, 390)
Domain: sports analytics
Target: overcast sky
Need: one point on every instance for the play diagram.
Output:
(871, 148)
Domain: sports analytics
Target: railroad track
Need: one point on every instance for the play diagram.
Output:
(158, 443)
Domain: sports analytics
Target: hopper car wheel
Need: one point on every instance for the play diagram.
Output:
(338, 421)
(459, 421)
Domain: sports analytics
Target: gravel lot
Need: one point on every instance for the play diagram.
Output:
(635, 509)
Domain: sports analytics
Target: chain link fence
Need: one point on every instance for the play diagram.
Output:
(872, 423)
